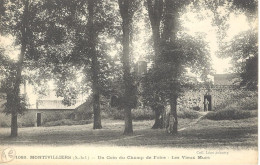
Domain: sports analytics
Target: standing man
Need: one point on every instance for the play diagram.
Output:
(206, 102)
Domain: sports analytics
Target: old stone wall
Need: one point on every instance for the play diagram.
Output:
(221, 96)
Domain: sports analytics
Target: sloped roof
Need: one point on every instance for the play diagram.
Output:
(56, 104)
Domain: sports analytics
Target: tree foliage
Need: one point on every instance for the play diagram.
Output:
(243, 47)
(243, 50)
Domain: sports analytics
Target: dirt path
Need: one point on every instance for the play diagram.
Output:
(194, 122)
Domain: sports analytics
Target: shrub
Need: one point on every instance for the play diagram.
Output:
(66, 122)
(25, 120)
(188, 114)
(229, 114)
(148, 114)
(241, 100)
(196, 108)
(142, 114)
(28, 119)
(137, 114)
(49, 116)
(249, 103)
(117, 114)
(5, 120)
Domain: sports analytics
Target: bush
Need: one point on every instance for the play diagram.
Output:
(249, 103)
(5, 120)
(142, 114)
(229, 114)
(137, 114)
(188, 114)
(66, 122)
(49, 116)
(28, 119)
(196, 108)
(117, 114)
(240, 100)
(148, 114)
(23, 120)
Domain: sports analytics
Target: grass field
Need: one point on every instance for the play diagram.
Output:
(192, 133)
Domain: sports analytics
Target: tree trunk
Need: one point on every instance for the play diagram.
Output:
(124, 6)
(155, 11)
(18, 78)
(94, 66)
(172, 126)
(171, 25)
(127, 79)
(14, 126)
(96, 109)
(16, 97)
(156, 38)
(96, 94)
(158, 119)
(169, 36)
(10, 106)
(128, 121)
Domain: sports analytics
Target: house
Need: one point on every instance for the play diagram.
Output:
(47, 103)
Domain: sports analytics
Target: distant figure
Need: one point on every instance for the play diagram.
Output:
(206, 102)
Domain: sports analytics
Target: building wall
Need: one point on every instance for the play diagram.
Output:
(223, 90)
(194, 99)
(56, 104)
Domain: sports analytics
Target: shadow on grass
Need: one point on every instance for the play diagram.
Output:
(214, 135)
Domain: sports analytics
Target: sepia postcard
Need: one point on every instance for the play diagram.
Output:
(129, 82)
